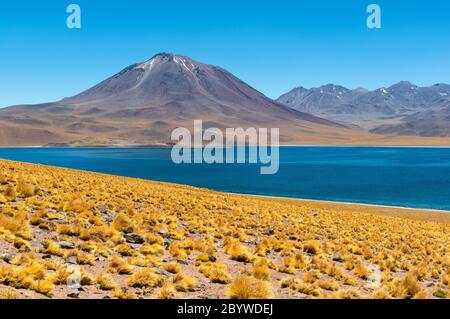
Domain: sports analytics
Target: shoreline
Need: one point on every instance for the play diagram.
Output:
(284, 198)
(408, 212)
(320, 201)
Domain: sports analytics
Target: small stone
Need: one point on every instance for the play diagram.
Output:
(136, 246)
(171, 259)
(66, 245)
(270, 232)
(162, 272)
(6, 257)
(212, 258)
(205, 296)
(167, 242)
(57, 219)
(72, 260)
(75, 286)
(47, 257)
(163, 233)
(102, 209)
(337, 258)
(73, 293)
(134, 239)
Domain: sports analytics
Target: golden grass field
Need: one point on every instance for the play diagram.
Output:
(129, 238)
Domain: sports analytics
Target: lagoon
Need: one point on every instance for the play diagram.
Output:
(406, 177)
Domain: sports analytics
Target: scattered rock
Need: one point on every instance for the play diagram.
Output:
(170, 259)
(270, 232)
(337, 258)
(66, 245)
(205, 296)
(6, 257)
(134, 239)
(163, 233)
(47, 257)
(108, 218)
(102, 209)
(162, 272)
(182, 262)
(136, 246)
(167, 242)
(72, 260)
(57, 219)
(73, 293)
(212, 258)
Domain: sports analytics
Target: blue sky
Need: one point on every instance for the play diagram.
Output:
(272, 45)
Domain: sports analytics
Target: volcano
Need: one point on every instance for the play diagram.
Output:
(143, 103)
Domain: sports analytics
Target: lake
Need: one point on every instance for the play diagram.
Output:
(409, 177)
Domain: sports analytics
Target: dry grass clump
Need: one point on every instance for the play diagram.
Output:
(312, 247)
(237, 251)
(168, 291)
(172, 267)
(123, 223)
(25, 189)
(85, 258)
(328, 284)
(124, 294)
(8, 294)
(361, 271)
(216, 272)
(247, 287)
(261, 269)
(184, 283)
(125, 250)
(51, 248)
(120, 266)
(145, 278)
(106, 282)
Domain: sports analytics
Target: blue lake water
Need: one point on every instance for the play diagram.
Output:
(410, 177)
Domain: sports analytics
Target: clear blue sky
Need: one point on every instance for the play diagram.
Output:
(272, 45)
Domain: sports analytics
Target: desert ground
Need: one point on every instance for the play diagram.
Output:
(76, 234)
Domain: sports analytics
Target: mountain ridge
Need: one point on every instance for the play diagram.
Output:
(369, 108)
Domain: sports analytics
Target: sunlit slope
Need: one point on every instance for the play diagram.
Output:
(130, 238)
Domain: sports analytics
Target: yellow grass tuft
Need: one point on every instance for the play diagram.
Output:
(106, 282)
(120, 266)
(167, 291)
(123, 223)
(247, 287)
(216, 272)
(145, 278)
(184, 283)
(8, 294)
(172, 267)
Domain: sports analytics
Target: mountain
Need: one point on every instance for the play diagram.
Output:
(396, 110)
(143, 103)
